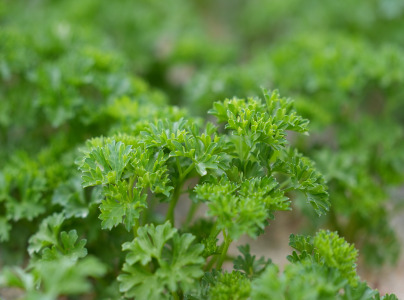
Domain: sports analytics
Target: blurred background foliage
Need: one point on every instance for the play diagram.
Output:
(74, 69)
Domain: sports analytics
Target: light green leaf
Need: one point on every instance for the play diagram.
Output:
(67, 247)
(160, 261)
(121, 205)
(105, 164)
(47, 235)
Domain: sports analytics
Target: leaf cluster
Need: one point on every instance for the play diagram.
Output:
(119, 227)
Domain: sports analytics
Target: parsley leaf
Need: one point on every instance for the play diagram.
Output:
(160, 260)
(106, 164)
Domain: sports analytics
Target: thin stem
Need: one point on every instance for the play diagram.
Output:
(175, 296)
(214, 231)
(191, 212)
(285, 183)
(212, 261)
(130, 186)
(173, 203)
(185, 173)
(177, 160)
(177, 191)
(226, 244)
(135, 228)
(147, 212)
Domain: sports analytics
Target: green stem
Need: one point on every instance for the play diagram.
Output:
(146, 213)
(285, 183)
(214, 231)
(226, 244)
(175, 296)
(135, 228)
(185, 173)
(130, 186)
(177, 191)
(176, 195)
(210, 264)
(191, 212)
(177, 160)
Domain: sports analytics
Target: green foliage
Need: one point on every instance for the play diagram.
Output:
(55, 277)
(324, 269)
(106, 164)
(306, 179)
(70, 195)
(258, 123)
(327, 249)
(110, 164)
(242, 208)
(230, 286)
(185, 140)
(5, 228)
(90, 140)
(337, 253)
(352, 102)
(121, 205)
(248, 264)
(22, 187)
(259, 149)
(245, 175)
(160, 261)
(62, 267)
(68, 247)
(300, 281)
(47, 234)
